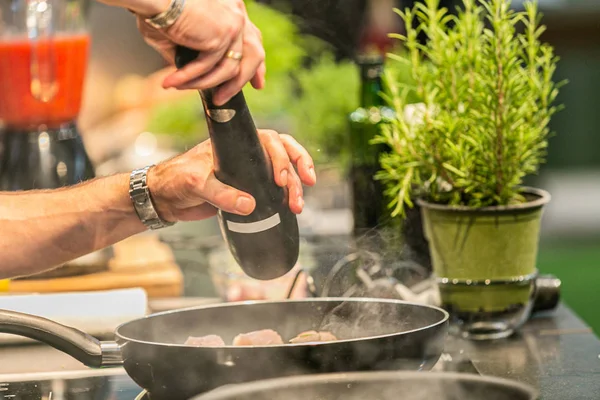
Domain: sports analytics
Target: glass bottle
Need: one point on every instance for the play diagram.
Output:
(369, 202)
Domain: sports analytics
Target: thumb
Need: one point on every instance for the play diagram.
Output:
(227, 198)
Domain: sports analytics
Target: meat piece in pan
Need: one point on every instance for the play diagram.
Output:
(205, 341)
(313, 336)
(263, 337)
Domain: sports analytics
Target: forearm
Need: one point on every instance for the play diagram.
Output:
(43, 229)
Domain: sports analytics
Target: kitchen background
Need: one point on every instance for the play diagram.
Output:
(128, 120)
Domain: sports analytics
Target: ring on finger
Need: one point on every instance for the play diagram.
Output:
(235, 55)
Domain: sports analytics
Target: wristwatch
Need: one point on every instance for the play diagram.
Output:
(167, 18)
(142, 201)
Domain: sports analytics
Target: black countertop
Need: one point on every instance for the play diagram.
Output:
(555, 352)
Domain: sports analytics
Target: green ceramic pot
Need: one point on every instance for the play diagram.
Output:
(485, 259)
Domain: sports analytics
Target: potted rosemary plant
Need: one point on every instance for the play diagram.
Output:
(485, 83)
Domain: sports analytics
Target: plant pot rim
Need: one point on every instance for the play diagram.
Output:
(543, 198)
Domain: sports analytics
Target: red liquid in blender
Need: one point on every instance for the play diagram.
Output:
(19, 108)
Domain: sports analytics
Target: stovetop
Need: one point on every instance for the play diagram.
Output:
(114, 384)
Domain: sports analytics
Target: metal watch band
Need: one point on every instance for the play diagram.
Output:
(167, 18)
(142, 202)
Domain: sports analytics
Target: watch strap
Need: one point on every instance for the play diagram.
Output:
(142, 201)
(168, 17)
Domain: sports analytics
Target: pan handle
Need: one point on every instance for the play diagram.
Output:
(79, 345)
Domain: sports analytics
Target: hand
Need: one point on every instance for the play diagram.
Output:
(213, 28)
(185, 188)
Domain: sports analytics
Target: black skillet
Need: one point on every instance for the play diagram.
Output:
(376, 334)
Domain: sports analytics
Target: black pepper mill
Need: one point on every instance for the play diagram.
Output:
(265, 243)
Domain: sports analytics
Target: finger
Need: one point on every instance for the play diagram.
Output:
(241, 6)
(279, 157)
(197, 213)
(230, 26)
(300, 157)
(295, 191)
(258, 81)
(197, 68)
(225, 197)
(248, 68)
(225, 70)
(254, 56)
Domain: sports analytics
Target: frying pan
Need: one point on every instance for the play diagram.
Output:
(377, 386)
(375, 334)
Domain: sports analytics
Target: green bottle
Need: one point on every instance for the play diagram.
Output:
(370, 210)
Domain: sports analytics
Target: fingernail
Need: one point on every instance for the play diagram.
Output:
(311, 172)
(300, 201)
(243, 205)
(284, 177)
(168, 81)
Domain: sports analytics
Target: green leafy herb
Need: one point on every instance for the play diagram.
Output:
(487, 94)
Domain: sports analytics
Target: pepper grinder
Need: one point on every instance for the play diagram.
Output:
(265, 244)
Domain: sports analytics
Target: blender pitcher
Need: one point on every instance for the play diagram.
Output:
(44, 47)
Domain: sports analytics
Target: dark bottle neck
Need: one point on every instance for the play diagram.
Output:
(371, 84)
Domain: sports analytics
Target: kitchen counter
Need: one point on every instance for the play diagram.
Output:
(555, 352)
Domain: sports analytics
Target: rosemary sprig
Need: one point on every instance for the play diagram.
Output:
(487, 92)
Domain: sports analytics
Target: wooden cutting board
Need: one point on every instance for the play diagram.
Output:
(158, 281)
(141, 261)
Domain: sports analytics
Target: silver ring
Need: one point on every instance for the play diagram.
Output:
(234, 55)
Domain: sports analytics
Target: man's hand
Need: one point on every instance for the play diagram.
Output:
(214, 28)
(44, 228)
(185, 188)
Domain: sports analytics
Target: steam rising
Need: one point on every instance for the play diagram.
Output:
(353, 320)
(368, 267)
(379, 261)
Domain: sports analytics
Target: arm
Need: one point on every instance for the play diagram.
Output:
(43, 229)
